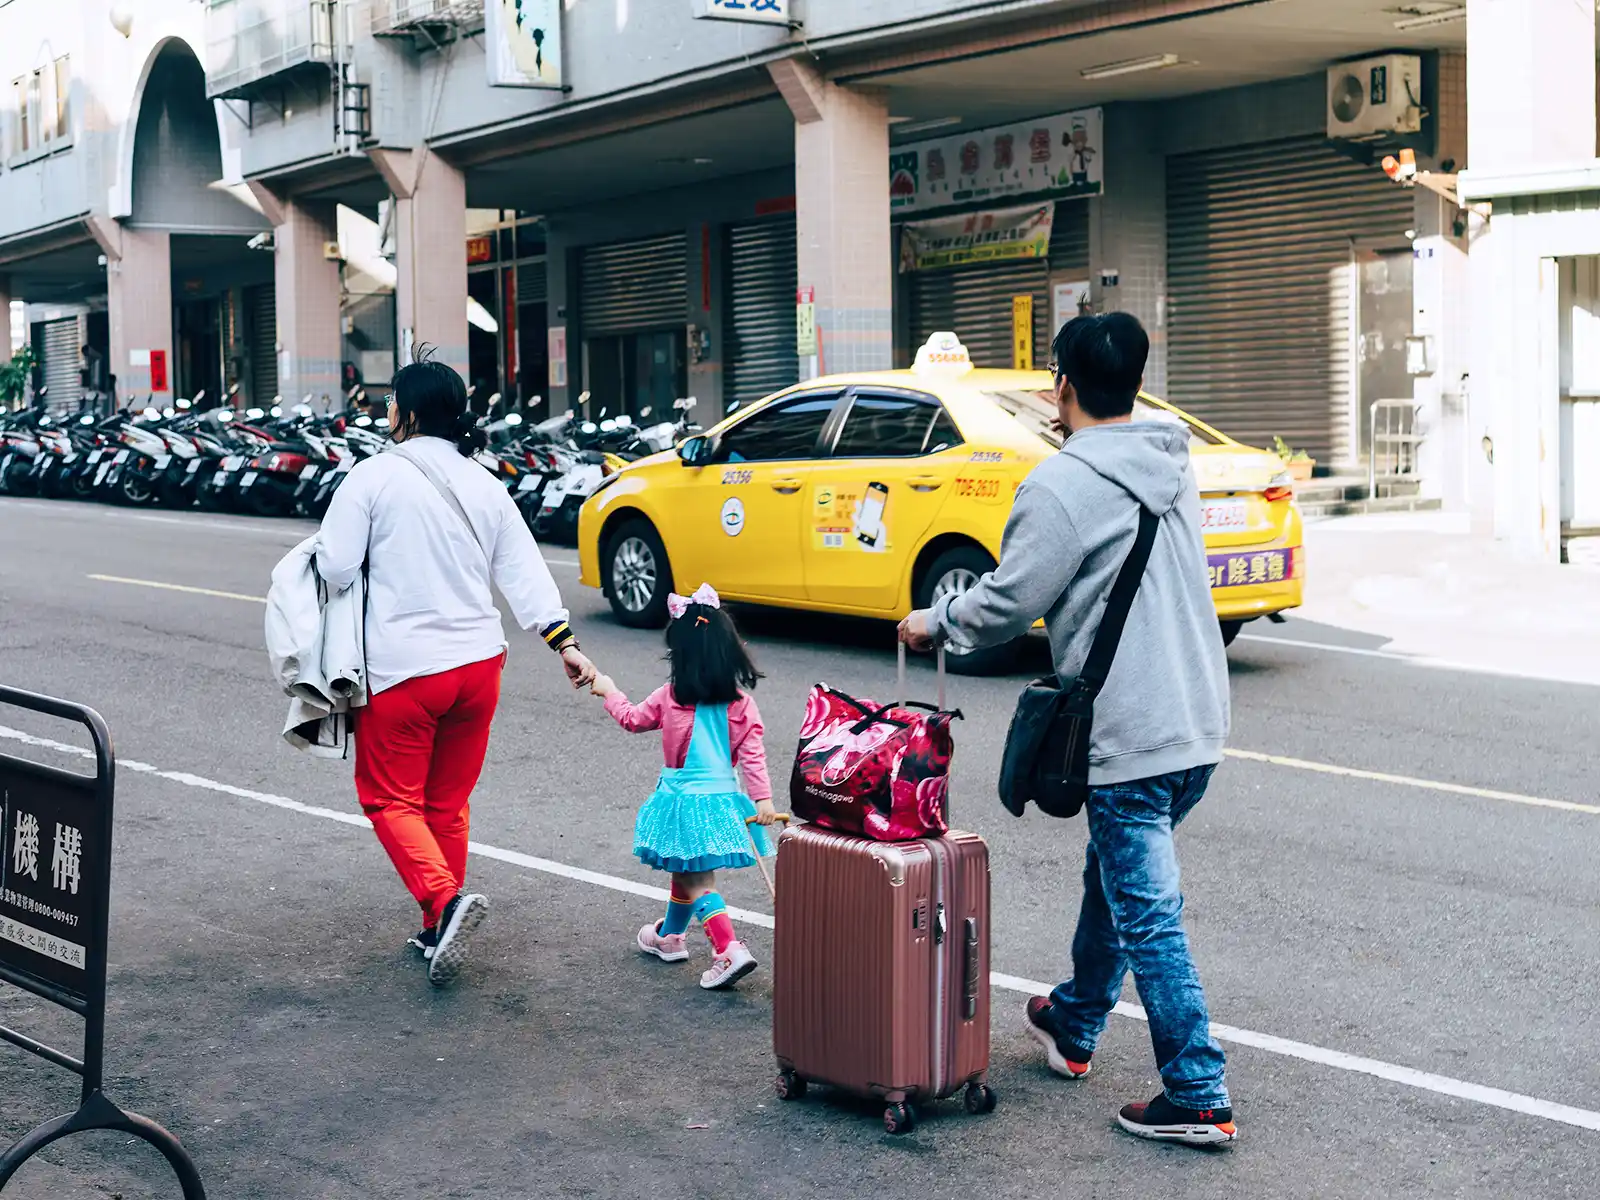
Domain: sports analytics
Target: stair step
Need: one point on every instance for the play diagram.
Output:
(1333, 489)
(1358, 507)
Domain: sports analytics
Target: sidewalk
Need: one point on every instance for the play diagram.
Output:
(1426, 586)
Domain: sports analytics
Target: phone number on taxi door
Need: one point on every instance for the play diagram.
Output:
(979, 489)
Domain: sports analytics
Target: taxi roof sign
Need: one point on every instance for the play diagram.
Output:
(942, 354)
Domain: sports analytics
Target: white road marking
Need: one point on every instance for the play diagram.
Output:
(179, 587)
(1533, 1106)
(210, 522)
(1432, 785)
(1414, 660)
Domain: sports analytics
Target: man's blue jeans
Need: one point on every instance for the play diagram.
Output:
(1132, 919)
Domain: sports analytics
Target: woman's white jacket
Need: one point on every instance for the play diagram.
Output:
(317, 646)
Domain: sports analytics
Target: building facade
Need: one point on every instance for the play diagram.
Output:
(627, 201)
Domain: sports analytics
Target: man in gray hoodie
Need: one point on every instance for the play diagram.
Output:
(1159, 724)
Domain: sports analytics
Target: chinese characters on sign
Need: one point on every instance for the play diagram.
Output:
(1058, 155)
(1000, 235)
(1022, 333)
(45, 877)
(522, 42)
(759, 12)
(1242, 570)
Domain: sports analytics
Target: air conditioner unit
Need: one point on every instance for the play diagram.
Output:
(1375, 96)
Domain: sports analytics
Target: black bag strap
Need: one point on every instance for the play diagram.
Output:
(1098, 665)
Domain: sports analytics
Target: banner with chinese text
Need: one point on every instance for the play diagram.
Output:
(1000, 235)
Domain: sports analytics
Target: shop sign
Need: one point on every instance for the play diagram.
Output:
(158, 370)
(480, 249)
(999, 235)
(753, 12)
(1022, 333)
(558, 355)
(1069, 300)
(805, 322)
(1060, 155)
(522, 43)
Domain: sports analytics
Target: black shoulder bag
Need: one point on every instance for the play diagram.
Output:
(1046, 759)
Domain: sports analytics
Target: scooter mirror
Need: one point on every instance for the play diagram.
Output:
(646, 411)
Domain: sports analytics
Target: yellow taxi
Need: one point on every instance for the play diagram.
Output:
(875, 493)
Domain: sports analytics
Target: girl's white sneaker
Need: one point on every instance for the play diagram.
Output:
(732, 965)
(670, 948)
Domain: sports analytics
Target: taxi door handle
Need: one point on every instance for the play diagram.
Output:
(925, 483)
(787, 487)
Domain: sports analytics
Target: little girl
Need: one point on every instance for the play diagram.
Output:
(694, 823)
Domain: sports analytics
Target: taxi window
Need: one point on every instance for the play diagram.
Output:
(887, 426)
(788, 429)
(1036, 411)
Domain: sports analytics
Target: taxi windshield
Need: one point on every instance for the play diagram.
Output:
(1036, 411)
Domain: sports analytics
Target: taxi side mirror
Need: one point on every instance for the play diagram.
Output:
(697, 451)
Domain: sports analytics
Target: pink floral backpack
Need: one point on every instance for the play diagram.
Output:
(877, 771)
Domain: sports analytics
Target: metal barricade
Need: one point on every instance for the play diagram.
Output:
(1394, 442)
(55, 902)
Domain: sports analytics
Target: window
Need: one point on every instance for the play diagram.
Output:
(1036, 412)
(944, 433)
(786, 430)
(41, 104)
(888, 427)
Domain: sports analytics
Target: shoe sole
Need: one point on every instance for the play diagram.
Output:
(451, 953)
(1058, 1063)
(680, 956)
(732, 977)
(1189, 1135)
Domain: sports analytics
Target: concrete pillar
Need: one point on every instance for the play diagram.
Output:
(1530, 83)
(308, 291)
(705, 315)
(139, 311)
(5, 319)
(431, 253)
(845, 254)
(1128, 233)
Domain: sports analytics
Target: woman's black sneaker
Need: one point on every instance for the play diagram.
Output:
(1163, 1121)
(1066, 1060)
(460, 920)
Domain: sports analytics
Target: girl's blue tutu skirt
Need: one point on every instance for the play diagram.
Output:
(688, 831)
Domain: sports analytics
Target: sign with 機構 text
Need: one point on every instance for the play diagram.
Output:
(999, 235)
(754, 12)
(48, 875)
(522, 42)
(1058, 155)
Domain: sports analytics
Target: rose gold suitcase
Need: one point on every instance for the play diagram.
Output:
(881, 978)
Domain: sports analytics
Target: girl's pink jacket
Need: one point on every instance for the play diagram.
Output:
(676, 722)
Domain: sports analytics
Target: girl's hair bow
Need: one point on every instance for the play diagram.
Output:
(704, 594)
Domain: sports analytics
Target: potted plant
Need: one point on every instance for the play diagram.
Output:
(1299, 463)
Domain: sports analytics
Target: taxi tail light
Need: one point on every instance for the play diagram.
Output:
(1296, 561)
(1279, 487)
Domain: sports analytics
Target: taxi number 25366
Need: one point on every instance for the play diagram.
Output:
(977, 489)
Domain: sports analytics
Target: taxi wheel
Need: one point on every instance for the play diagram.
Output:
(1230, 630)
(637, 578)
(954, 572)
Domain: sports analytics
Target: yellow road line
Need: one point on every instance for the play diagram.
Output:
(178, 587)
(1432, 785)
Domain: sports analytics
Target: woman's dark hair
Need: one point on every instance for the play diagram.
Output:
(430, 400)
(710, 664)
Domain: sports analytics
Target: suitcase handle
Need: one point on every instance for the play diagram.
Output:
(749, 822)
(901, 672)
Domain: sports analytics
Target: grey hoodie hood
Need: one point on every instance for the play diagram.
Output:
(1164, 707)
(1150, 459)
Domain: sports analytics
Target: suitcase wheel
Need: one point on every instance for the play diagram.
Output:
(980, 1099)
(789, 1086)
(899, 1118)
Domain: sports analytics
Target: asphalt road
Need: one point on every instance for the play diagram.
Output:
(1411, 942)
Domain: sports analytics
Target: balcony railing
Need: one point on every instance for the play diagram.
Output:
(393, 18)
(249, 41)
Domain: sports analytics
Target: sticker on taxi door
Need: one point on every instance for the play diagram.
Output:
(845, 518)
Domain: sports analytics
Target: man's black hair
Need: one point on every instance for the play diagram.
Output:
(1103, 357)
(709, 661)
(431, 401)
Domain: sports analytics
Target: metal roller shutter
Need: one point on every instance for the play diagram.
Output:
(759, 334)
(531, 282)
(1259, 278)
(975, 302)
(631, 286)
(62, 378)
(261, 304)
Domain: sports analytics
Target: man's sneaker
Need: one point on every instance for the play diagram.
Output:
(460, 920)
(1066, 1060)
(669, 948)
(425, 942)
(732, 965)
(1163, 1121)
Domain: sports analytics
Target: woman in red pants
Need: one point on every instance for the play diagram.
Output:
(433, 530)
